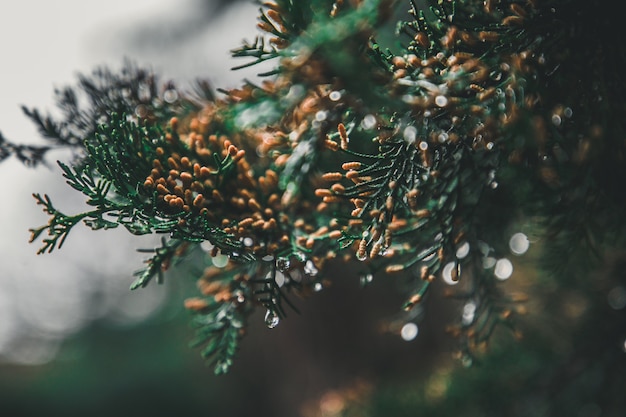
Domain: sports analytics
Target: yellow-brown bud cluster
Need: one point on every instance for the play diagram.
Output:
(187, 181)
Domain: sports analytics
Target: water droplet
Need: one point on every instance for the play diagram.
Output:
(318, 287)
(503, 269)
(409, 331)
(283, 264)
(220, 260)
(519, 243)
(463, 250)
(368, 122)
(279, 278)
(556, 120)
(423, 145)
(206, 246)
(467, 361)
(321, 115)
(310, 268)
(361, 256)
(170, 95)
(295, 92)
(489, 262)
(271, 319)
(268, 258)
(143, 92)
(410, 134)
(141, 111)
(617, 297)
(441, 101)
(248, 241)
(334, 96)
(450, 273)
(469, 312)
(484, 248)
(366, 279)
(568, 112)
(443, 137)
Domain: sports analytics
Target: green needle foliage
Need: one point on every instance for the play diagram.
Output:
(413, 158)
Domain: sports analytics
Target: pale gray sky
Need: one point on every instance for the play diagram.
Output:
(44, 44)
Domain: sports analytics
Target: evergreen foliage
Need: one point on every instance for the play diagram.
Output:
(415, 158)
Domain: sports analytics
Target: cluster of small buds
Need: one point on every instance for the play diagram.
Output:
(272, 22)
(187, 180)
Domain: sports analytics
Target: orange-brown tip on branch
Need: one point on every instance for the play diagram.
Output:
(335, 234)
(198, 201)
(254, 205)
(239, 155)
(196, 304)
(217, 196)
(332, 176)
(331, 199)
(420, 214)
(330, 144)
(422, 39)
(394, 268)
(415, 298)
(323, 192)
(347, 166)
(343, 135)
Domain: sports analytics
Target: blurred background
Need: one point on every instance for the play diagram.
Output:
(75, 341)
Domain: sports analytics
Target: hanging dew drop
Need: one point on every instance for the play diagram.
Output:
(463, 250)
(271, 319)
(410, 134)
(206, 246)
(441, 101)
(279, 279)
(310, 268)
(283, 264)
(519, 243)
(170, 95)
(220, 260)
(450, 273)
(503, 269)
(469, 312)
(467, 361)
(409, 332)
(489, 262)
(368, 122)
(366, 279)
